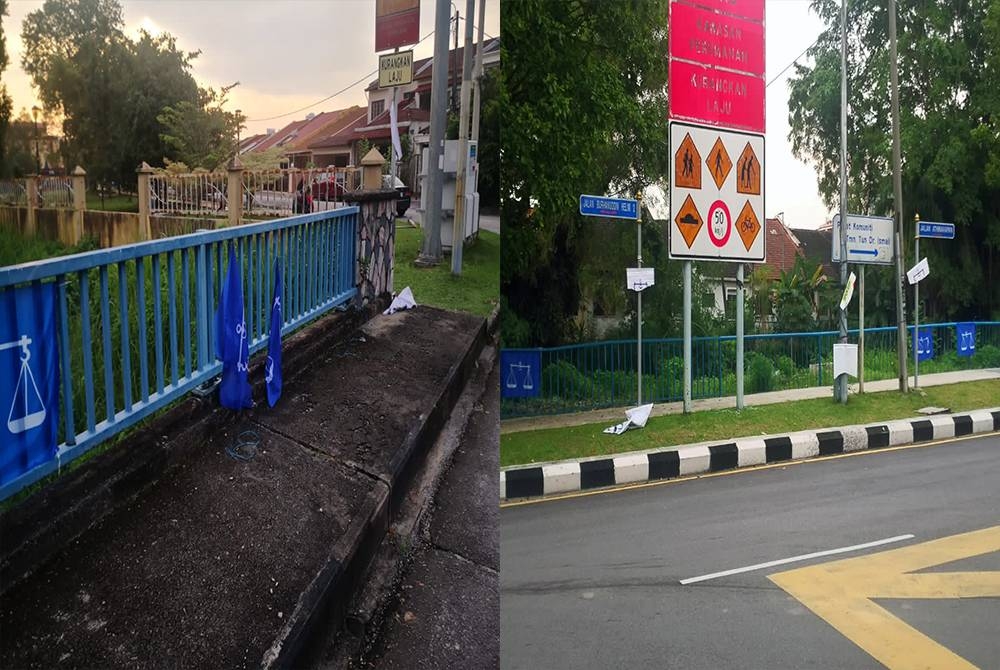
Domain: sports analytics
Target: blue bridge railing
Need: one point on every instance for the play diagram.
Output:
(597, 375)
(136, 327)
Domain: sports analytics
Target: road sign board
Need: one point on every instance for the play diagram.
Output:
(716, 97)
(944, 231)
(613, 208)
(703, 218)
(918, 271)
(869, 239)
(745, 9)
(748, 178)
(637, 279)
(521, 372)
(710, 38)
(395, 69)
(397, 23)
(687, 164)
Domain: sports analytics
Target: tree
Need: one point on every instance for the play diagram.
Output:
(108, 87)
(949, 98)
(201, 134)
(489, 140)
(6, 105)
(583, 101)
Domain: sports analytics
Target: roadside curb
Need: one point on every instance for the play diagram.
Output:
(668, 463)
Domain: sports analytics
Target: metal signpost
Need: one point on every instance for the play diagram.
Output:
(931, 229)
(716, 78)
(625, 208)
(869, 241)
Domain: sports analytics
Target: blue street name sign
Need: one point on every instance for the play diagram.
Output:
(615, 208)
(945, 231)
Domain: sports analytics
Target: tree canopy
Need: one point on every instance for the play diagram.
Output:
(6, 105)
(949, 99)
(583, 110)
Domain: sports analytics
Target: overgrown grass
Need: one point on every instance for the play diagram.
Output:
(678, 429)
(113, 203)
(477, 290)
(16, 249)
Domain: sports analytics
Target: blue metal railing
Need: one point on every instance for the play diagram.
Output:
(105, 324)
(596, 375)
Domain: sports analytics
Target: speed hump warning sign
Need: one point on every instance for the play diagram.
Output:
(716, 194)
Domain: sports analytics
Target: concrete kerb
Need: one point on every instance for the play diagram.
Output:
(545, 479)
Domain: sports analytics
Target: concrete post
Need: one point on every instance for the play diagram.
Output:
(371, 170)
(79, 177)
(234, 191)
(145, 228)
(31, 220)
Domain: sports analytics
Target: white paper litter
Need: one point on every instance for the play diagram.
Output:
(402, 301)
(635, 418)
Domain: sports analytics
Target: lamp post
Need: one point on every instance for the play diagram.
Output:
(38, 162)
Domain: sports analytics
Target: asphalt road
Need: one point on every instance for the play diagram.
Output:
(593, 582)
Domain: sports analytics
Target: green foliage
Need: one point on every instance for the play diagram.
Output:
(760, 373)
(201, 134)
(489, 140)
(108, 88)
(582, 94)
(987, 356)
(6, 105)
(949, 99)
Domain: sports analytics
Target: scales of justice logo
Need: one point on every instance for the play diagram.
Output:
(27, 410)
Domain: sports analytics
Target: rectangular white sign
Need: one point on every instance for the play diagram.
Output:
(395, 69)
(639, 278)
(716, 194)
(869, 239)
(845, 360)
(918, 271)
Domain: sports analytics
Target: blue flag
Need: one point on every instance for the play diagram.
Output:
(272, 369)
(965, 336)
(232, 343)
(29, 378)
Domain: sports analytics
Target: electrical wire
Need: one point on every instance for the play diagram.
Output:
(785, 69)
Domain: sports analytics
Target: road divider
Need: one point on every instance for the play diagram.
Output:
(547, 479)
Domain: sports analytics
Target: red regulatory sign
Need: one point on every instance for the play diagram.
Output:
(397, 23)
(716, 39)
(745, 9)
(716, 97)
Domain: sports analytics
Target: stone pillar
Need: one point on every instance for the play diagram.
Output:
(145, 209)
(234, 192)
(375, 243)
(371, 170)
(31, 219)
(79, 177)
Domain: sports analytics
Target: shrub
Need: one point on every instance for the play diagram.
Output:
(760, 373)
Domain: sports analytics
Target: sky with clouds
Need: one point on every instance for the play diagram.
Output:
(290, 54)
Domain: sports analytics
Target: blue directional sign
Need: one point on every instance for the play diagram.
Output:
(520, 373)
(614, 208)
(944, 231)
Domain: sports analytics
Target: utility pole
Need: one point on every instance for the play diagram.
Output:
(897, 187)
(430, 253)
(840, 384)
(453, 67)
(477, 94)
(458, 231)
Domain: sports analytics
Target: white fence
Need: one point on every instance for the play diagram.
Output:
(265, 193)
(53, 192)
(13, 192)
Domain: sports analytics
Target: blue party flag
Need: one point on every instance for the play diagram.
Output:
(232, 344)
(272, 369)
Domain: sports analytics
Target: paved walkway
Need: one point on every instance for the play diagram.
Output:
(615, 415)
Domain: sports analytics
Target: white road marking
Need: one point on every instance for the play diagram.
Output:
(793, 559)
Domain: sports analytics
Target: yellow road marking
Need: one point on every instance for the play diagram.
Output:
(738, 471)
(842, 593)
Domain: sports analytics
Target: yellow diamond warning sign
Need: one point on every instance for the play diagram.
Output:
(687, 164)
(748, 172)
(688, 221)
(747, 225)
(719, 163)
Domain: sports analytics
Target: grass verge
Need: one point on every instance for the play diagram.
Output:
(477, 290)
(678, 429)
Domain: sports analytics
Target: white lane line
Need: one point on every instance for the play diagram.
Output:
(793, 559)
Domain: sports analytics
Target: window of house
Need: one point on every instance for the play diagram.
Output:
(378, 106)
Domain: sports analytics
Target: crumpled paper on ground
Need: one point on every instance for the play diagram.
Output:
(636, 418)
(402, 301)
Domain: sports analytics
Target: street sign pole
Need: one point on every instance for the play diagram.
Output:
(897, 188)
(861, 333)
(687, 337)
(916, 305)
(638, 338)
(739, 336)
(840, 385)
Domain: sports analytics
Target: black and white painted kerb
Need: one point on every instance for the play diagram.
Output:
(566, 476)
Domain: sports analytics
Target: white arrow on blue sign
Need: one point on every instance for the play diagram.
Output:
(944, 231)
(614, 208)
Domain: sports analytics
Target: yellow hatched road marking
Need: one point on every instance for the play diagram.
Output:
(842, 593)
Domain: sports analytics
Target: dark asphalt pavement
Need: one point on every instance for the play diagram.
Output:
(593, 582)
(448, 614)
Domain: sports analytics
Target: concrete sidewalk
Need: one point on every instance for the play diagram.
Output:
(616, 415)
(219, 562)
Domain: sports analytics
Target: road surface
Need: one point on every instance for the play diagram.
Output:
(594, 581)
